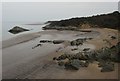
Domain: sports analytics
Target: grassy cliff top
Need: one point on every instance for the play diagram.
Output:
(110, 20)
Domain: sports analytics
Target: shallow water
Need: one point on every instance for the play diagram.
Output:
(9, 25)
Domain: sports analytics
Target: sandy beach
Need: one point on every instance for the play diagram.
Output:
(21, 61)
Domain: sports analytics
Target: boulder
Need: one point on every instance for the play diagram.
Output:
(108, 67)
(84, 63)
(54, 58)
(113, 37)
(60, 63)
(73, 64)
(58, 41)
(86, 49)
(76, 42)
(101, 63)
(17, 29)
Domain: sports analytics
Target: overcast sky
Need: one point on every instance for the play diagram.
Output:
(40, 12)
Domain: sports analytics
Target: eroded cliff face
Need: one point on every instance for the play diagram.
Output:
(110, 20)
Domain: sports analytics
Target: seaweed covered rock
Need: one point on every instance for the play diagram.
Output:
(73, 64)
(107, 67)
(104, 54)
(17, 29)
(84, 63)
(115, 53)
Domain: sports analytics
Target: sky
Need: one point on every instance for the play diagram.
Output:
(45, 11)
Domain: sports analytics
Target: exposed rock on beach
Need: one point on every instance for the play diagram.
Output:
(17, 29)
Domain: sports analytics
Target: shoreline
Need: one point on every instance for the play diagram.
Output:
(19, 39)
(22, 38)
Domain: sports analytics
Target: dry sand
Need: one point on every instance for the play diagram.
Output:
(105, 34)
(21, 61)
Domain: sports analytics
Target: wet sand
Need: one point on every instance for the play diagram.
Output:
(21, 61)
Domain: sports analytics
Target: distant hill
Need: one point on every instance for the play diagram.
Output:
(110, 20)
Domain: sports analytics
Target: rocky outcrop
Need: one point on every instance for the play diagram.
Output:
(108, 67)
(17, 30)
(106, 58)
(73, 64)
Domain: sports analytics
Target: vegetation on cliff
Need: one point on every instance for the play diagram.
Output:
(110, 20)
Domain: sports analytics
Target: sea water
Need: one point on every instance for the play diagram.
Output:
(6, 26)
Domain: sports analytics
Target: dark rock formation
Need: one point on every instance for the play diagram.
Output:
(17, 29)
(73, 64)
(58, 41)
(113, 37)
(77, 42)
(86, 49)
(37, 46)
(107, 67)
(45, 41)
(74, 49)
(60, 63)
(105, 56)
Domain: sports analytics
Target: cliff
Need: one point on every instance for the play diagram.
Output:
(110, 20)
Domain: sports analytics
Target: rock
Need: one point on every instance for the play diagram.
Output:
(101, 63)
(108, 67)
(37, 46)
(73, 64)
(57, 41)
(70, 57)
(86, 49)
(54, 58)
(17, 29)
(62, 57)
(76, 42)
(113, 37)
(104, 54)
(74, 49)
(81, 56)
(84, 63)
(60, 63)
(45, 41)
